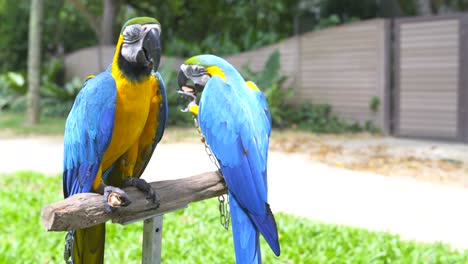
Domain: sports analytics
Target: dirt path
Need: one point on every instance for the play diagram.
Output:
(431, 161)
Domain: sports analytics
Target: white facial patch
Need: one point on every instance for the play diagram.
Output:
(196, 73)
(133, 37)
(130, 51)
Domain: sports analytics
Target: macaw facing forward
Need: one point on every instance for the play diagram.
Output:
(115, 123)
(234, 118)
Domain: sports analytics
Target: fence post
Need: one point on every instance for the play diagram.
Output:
(152, 239)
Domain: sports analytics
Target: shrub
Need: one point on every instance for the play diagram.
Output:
(307, 116)
(56, 100)
(271, 82)
(12, 89)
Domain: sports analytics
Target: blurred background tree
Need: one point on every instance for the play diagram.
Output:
(189, 27)
(34, 61)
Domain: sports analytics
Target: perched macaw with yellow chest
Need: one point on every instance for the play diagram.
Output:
(234, 118)
(115, 123)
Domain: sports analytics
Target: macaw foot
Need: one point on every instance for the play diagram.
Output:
(114, 198)
(145, 187)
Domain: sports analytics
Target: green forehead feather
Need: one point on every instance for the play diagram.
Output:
(139, 20)
(195, 60)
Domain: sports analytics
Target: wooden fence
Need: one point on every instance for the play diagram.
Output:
(344, 66)
(431, 89)
(413, 68)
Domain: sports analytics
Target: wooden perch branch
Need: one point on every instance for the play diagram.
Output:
(87, 209)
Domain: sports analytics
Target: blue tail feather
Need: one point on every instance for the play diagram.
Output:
(246, 237)
(266, 224)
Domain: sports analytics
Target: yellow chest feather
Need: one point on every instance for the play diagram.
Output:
(131, 114)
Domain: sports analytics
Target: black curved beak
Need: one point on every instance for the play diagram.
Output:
(181, 79)
(152, 47)
(186, 91)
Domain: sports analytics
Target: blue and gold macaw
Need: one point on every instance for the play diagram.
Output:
(115, 123)
(234, 118)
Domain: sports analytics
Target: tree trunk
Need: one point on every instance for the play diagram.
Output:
(102, 26)
(34, 62)
(109, 12)
(110, 9)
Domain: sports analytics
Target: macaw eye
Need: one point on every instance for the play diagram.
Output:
(197, 70)
(147, 27)
(189, 70)
(132, 33)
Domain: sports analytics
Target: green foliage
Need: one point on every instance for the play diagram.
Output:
(189, 27)
(332, 20)
(64, 31)
(56, 100)
(347, 10)
(12, 90)
(16, 81)
(232, 26)
(319, 119)
(269, 75)
(174, 101)
(194, 235)
(13, 35)
(211, 44)
(271, 82)
(374, 104)
(67, 92)
(276, 97)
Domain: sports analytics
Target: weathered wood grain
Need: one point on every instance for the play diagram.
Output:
(87, 209)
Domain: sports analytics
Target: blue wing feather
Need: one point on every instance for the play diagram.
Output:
(88, 132)
(234, 127)
(163, 110)
(236, 124)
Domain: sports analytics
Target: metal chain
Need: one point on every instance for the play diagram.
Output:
(224, 214)
(68, 252)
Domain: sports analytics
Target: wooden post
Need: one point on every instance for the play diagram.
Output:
(152, 240)
(152, 237)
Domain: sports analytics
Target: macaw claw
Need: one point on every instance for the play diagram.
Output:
(145, 187)
(114, 198)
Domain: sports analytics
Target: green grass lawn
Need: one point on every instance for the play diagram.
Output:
(12, 123)
(194, 235)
